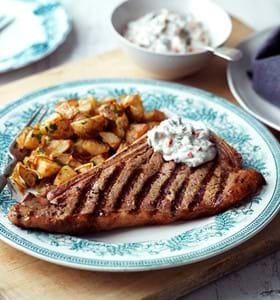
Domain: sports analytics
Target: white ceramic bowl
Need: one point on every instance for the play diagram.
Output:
(171, 66)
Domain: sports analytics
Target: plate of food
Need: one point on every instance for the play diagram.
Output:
(131, 175)
(37, 29)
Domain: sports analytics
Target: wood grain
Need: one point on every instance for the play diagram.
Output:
(24, 277)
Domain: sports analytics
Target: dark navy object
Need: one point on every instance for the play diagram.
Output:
(266, 69)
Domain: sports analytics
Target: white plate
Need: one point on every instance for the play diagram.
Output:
(152, 247)
(40, 26)
(241, 85)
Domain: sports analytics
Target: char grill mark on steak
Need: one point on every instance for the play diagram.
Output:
(157, 188)
(129, 174)
(166, 203)
(84, 194)
(179, 195)
(109, 181)
(223, 181)
(148, 174)
(166, 191)
(198, 197)
(195, 180)
(126, 187)
(228, 185)
(95, 192)
(121, 156)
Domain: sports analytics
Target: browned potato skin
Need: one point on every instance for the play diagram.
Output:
(81, 116)
(93, 147)
(134, 107)
(80, 134)
(152, 124)
(154, 116)
(88, 105)
(111, 110)
(135, 131)
(65, 173)
(85, 167)
(67, 109)
(46, 167)
(98, 159)
(89, 127)
(110, 138)
(61, 158)
(121, 125)
(57, 127)
(29, 176)
(59, 146)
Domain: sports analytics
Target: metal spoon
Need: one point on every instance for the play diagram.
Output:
(231, 54)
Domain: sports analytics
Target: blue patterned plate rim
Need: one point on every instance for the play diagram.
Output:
(234, 240)
(45, 10)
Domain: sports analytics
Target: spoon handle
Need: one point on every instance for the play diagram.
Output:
(231, 54)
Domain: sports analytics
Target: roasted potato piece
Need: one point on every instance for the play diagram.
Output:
(18, 181)
(152, 124)
(81, 116)
(67, 109)
(59, 146)
(61, 158)
(122, 146)
(154, 116)
(105, 100)
(134, 107)
(31, 160)
(57, 127)
(29, 176)
(111, 110)
(89, 127)
(88, 105)
(78, 136)
(94, 147)
(78, 147)
(29, 138)
(43, 186)
(135, 131)
(85, 167)
(64, 175)
(110, 138)
(121, 125)
(99, 159)
(74, 163)
(46, 167)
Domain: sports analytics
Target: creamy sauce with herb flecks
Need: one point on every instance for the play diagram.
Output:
(167, 32)
(183, 141)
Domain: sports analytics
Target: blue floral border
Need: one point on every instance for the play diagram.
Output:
(115, 265)
(44, 9)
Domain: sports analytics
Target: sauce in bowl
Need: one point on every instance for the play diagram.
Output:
(167, 32)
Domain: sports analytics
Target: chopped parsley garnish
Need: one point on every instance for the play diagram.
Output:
(116, 110)
(53, 127)
(38, 136)
(41, 150)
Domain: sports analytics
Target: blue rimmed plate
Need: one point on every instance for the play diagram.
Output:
(152, 247)
(40, 26)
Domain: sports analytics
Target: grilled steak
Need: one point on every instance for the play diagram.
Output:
(137, 187)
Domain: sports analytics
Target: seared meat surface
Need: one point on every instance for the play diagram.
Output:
(137, 187)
